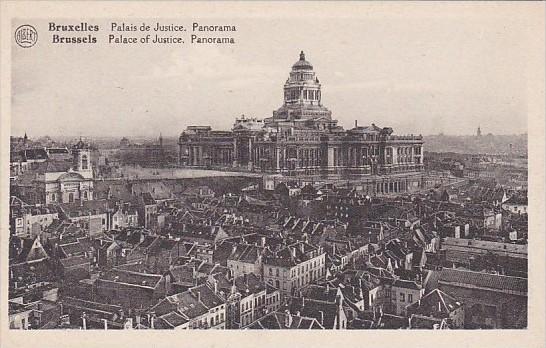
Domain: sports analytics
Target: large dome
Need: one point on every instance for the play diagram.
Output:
(302, 64)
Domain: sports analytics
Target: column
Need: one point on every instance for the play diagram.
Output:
(250, 152)
(331, 159)
(278, 158)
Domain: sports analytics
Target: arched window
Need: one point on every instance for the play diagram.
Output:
(53, 197)
(84, 162)
(85, 195)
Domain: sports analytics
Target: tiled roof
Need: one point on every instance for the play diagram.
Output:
(174, 319)
(246, 253)
(483, 280)
(132, 278)
(207, 296)
(73, 249)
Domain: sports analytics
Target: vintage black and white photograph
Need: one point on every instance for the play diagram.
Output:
(334, 171)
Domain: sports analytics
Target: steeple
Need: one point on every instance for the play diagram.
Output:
(479, 132)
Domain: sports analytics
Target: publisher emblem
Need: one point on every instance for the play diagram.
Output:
(26, 36)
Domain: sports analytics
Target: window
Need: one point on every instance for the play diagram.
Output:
(402, 297)
(410, 298)
(84, 162)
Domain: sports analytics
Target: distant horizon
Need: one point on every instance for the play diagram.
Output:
(84, 136)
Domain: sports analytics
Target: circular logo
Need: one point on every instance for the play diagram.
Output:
(26, 36)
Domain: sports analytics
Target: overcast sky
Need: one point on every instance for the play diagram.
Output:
(417, 74)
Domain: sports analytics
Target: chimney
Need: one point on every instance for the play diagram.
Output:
(152, 321)
(287, 319)
(356, 123)
(198, 296)
(84, 322)
(105, 324)
(293, 252)
(263, 241)
(302, 302)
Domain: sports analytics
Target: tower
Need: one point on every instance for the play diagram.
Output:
(479, 132)
(81, 159)
(302, 97)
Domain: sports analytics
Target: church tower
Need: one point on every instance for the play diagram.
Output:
(81, 159)
(479, 132)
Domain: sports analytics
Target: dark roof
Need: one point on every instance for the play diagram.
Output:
(174, 319)
(35, 154)
(319, 310)
(286, 258)
(423, 322)
(84, 208)
(435, 304)
(391, 322)
(75, 261)
(320, 293)
(518, 199)
(207, 296)
(277, 320)
(54, 166)
(249, 283)
(407, 284)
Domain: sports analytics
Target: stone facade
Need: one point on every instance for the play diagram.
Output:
(301, 138)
